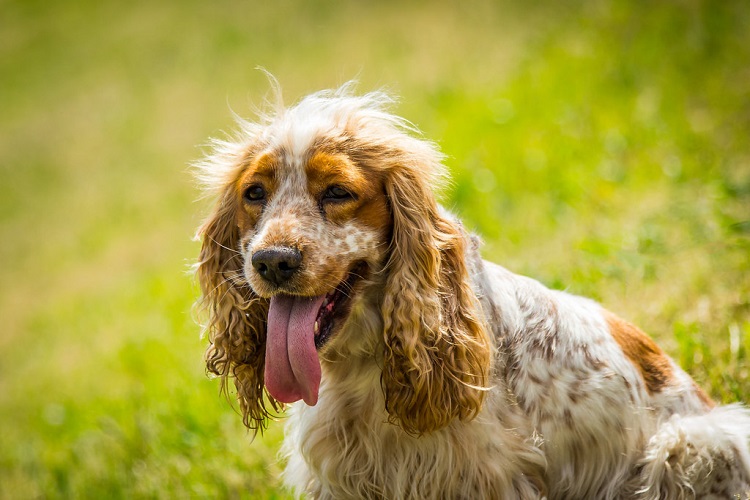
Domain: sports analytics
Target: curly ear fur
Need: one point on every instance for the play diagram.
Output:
(437, 355)
(236, 324)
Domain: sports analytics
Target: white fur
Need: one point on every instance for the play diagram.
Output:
(568, 414)
(616, 447)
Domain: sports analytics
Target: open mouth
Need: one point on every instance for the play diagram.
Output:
(336, 306)
(297, 328)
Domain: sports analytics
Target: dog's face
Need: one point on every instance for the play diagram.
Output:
(307, 223)
(330, 206)
(313, 227)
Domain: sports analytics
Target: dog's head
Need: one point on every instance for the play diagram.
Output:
(320, 204)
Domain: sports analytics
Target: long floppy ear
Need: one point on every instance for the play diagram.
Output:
(236, 323)
(437, 355)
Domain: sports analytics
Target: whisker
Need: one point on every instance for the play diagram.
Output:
(224, 246)
(238, 277)
(222, 282)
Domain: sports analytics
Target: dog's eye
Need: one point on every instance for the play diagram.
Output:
(254, 194)
(336, 193)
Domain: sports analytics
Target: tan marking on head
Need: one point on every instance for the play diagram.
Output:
(261, 171)
(653, 364)
(369, 206)
(325, 169)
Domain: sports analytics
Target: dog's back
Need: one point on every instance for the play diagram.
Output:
(616, 416)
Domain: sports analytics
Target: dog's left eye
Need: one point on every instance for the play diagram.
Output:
(254, 193)
(337, 193)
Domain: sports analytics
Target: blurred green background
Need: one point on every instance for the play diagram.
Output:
(601, 147)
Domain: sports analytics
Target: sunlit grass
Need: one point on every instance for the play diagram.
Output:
(599, 147)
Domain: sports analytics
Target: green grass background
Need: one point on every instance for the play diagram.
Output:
(601, 147)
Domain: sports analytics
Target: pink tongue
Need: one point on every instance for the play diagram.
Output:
(292, 365)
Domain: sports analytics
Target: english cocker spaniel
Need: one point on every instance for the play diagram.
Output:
(330, 275)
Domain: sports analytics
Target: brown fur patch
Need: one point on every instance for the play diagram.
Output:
(325, 169)
(642, 351)
(705, 399)
(369, 206)
(262, 171)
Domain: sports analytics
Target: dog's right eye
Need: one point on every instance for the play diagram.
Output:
(254, 194)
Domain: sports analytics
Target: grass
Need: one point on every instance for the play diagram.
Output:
(600, 147)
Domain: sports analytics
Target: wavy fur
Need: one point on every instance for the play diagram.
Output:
(236, 325)
(446, 376)
(437, 353)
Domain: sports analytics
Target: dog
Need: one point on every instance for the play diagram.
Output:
(334, 283)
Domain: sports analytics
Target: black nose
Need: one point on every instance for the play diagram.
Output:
(277, 264)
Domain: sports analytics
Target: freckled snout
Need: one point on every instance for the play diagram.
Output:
(277, 264)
